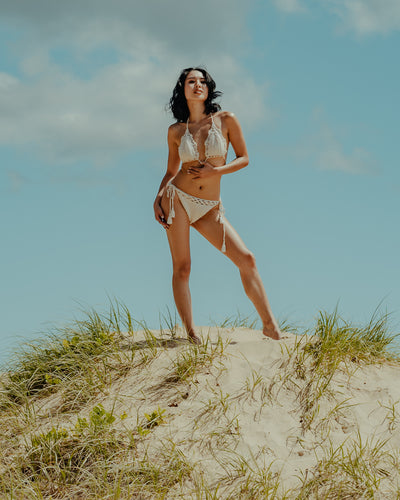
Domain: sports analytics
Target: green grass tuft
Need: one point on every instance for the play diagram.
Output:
(79, 359)
(333, 344)
(352, 470)
(47, 454)
(195, 358)
(339, 340)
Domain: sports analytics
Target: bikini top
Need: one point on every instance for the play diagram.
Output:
(215, 144)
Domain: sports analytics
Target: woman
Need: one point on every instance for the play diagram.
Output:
(190, 195)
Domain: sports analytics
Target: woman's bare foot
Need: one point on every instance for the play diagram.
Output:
(193, 338)
(272, 331)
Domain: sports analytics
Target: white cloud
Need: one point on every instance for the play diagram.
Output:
(357, 161)
(88, 23)
(368, 16)
(119, 109)
(68, 107)
(364, 17)
(326, 152)
(289, 5)
(7, 81)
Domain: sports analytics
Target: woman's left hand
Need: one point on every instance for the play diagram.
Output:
(203, 171)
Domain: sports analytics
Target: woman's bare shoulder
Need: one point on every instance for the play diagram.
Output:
(176, 127)
(228, 119)
(175, 130)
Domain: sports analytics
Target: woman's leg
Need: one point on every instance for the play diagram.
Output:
(178, 239)
(210, 227)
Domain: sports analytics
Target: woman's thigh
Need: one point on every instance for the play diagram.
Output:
(178, 232)
(211, 228)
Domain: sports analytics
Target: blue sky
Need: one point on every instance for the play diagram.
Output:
(83, 150)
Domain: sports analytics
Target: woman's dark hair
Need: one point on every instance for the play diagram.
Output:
(177, 103)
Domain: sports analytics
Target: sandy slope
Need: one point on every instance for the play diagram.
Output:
(256, 417)
(247, 406)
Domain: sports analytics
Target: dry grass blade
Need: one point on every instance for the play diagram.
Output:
(353, 470)
(98, 410)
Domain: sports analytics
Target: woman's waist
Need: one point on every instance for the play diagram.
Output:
(206, 189)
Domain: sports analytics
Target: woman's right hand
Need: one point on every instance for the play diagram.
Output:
(159, 215)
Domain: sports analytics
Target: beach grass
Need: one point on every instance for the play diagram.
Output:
(354, 469)
(89, 411)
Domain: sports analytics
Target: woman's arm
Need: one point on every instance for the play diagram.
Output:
(235, 137)
(172, 170)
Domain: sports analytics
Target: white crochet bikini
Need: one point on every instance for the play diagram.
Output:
(215, 146)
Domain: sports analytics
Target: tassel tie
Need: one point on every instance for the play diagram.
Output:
(221, 220)
(171, 196)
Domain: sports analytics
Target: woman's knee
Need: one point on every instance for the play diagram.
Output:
(247, 261)
(182, 270)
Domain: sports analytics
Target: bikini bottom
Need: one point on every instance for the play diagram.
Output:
(195, 208)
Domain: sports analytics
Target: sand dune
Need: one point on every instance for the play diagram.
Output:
(247, 405)
(254, 418)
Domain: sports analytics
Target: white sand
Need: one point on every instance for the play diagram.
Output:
(242, 407)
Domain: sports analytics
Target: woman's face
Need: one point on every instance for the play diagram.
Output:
(195, 86)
